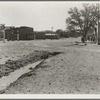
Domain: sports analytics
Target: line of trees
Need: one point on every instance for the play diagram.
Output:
(83, 19)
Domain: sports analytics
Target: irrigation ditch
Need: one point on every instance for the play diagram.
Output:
(12, 70)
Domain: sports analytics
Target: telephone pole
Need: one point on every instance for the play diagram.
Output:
(52, 29)
(98, 25)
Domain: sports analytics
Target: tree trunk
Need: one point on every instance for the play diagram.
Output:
(83, 39)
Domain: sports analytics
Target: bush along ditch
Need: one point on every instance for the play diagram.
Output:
(11, 65)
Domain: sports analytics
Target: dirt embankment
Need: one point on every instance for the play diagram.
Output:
(76, 71)
(11, 65)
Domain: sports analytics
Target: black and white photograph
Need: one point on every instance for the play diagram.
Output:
(50, 47)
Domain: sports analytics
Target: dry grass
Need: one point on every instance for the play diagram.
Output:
(75, 71)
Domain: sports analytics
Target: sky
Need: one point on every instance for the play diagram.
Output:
(39, 15)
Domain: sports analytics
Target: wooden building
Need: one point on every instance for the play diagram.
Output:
(44, 35)
(40, 35)
(52, 35)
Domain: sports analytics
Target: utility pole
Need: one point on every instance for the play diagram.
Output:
(98, 26)
(51, 32)
(52, 29)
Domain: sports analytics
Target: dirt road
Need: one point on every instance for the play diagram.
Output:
(75, 71)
